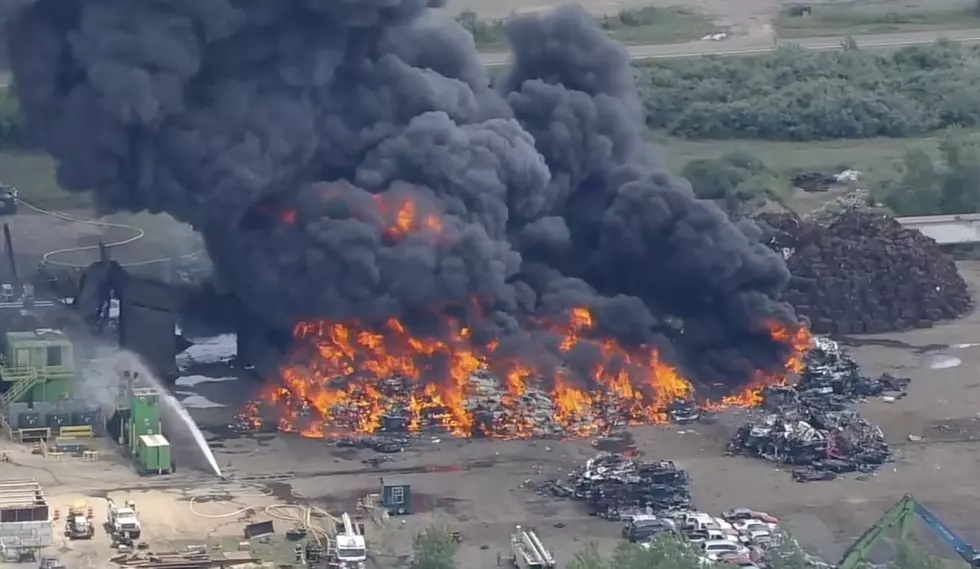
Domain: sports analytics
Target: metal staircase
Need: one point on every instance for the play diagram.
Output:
(22, 379)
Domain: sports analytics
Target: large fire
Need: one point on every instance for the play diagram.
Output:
(349, 377)
(352, 378)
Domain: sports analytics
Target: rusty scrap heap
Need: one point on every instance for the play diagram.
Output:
(865, 273)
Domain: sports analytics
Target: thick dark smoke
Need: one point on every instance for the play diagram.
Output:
(288, 132)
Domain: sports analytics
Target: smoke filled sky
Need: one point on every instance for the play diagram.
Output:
(351, 159)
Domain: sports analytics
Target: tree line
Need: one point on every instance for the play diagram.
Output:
(943, 185)
(798, 95)
(435, 549)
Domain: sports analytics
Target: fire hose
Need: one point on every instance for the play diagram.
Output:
(137, 234)
(299, 516)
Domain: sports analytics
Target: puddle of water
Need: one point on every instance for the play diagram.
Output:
(940, 361)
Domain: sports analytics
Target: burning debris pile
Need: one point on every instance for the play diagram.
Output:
(366, 382)
(865, 273)
(615, 486)
(812, 425)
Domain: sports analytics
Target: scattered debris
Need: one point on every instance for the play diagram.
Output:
(813, 181)
(811, 424)
(865, 273)
(616, 487)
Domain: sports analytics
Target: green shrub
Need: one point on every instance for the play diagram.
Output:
(798, 95)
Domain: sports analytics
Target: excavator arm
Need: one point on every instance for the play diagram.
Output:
(947, 536)
(901, 515)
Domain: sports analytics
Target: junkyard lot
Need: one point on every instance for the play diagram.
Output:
(475, 487)
(484, 502)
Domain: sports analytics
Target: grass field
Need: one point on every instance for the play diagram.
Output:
(879, 160)
(650, 25)
(876, 17)
(34, 177)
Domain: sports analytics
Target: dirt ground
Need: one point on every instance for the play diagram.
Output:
(476, 486)
(76, 237)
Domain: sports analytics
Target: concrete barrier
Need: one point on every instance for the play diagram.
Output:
(946, 229)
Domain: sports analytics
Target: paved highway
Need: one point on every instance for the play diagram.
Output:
(744, 46)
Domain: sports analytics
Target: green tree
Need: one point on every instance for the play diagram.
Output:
(434, 549)
(953, 187)
(793, 94)
(918, 192)
(910, 556)
(12, 132)
(666, 552)
(961, 184)
(734, 180)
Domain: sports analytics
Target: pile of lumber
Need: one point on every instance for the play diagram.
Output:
(865, 273)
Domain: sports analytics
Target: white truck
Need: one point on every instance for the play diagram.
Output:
(77, 524)
(349, 550)
(122, 521)
(528, 551)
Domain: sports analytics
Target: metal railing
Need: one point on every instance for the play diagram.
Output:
(23, 379)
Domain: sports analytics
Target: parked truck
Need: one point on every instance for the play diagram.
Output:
(348, 549)
(78, 524)
(122, 521)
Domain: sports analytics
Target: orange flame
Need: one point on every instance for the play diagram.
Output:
(349, 377)
(288, 216)
(403, 218)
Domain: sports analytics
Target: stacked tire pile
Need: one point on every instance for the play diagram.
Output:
(865, 273)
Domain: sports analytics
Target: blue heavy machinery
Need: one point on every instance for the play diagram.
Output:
(901, 515)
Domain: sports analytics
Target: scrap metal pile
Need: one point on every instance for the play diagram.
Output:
(812, 425)
(615, 486)
(865, 273)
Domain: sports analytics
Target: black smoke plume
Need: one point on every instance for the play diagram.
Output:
(287, 132)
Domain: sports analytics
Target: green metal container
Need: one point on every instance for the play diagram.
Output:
(153, 455)
(144, 413)
(52, 390)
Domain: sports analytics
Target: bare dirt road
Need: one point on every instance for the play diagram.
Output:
(749, 45)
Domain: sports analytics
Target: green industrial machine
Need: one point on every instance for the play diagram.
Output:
(37, 366)
(901, 515)
(136, 425)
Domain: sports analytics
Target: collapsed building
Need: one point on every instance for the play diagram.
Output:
(812, 426)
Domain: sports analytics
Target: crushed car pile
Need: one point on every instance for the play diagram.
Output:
(812, 425)
(616, 487)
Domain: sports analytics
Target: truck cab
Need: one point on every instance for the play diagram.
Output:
(351, 551)
(123, 521)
